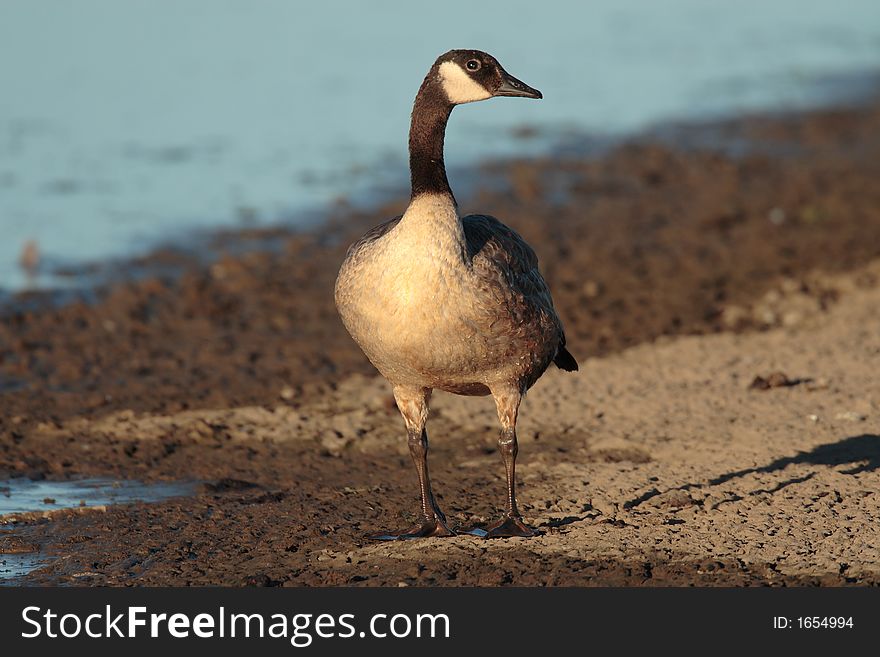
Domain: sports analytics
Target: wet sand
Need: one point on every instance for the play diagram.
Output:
(681, 275)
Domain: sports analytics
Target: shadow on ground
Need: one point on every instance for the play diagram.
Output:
(862, 451)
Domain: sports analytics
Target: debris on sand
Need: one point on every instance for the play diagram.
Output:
(773, 380)
(851, 416)
(674, 499)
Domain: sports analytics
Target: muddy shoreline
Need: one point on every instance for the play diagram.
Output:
(702, 266)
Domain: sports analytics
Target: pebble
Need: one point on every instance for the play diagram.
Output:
(776, 216)
(773, 380)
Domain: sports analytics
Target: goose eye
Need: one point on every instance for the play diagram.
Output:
(473, 65)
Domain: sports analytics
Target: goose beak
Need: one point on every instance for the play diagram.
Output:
(510, 86)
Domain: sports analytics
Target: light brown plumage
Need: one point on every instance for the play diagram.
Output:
(436, 300)
(461, 313)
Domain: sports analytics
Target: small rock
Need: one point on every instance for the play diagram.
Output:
(773, 380)
(260, 579)
(674, 499)
(813, 417)
(776, 216)
(286, 393)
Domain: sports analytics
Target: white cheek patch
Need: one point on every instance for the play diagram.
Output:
(459, 86)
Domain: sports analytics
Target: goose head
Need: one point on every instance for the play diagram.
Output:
(467, 76)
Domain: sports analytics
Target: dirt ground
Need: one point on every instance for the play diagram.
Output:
(681, 275)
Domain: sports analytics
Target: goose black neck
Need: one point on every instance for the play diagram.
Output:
(428, 129)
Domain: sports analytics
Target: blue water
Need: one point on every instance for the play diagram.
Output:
(13, 566)
(24, 495)
(126, 123)
(20, 496)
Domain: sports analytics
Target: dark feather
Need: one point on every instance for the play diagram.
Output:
(508, 268)
(565, 361)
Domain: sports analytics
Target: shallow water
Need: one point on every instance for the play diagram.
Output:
(19, 496)
(13, 566)
(24, 495)
(126, 123)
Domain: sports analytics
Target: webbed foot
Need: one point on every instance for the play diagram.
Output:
(429, 527)
(507, 527)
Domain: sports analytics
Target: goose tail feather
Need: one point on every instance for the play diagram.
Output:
(565, 361)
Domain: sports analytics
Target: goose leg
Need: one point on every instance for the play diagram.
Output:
(507, 402)
(413, 405)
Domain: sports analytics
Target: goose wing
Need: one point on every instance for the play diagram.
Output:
(506, 270)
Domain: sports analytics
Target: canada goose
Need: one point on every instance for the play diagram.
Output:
(436, 300)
